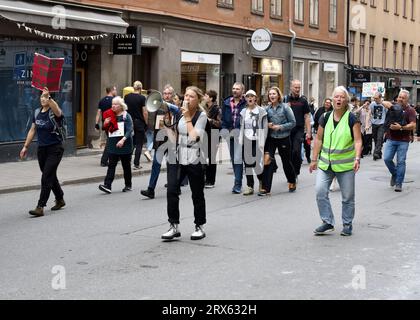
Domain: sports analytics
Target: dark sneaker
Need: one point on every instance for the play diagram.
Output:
(392, 182)
(137, 167)
(150, 193)
(292, 187)
(105, 189)
(398, 188)
(347, 230)
(209, 185)
(172, 233)
(38, 212)
(104, 164)
(199, 233)
(58, 205)
(127, 189)
(324, 229)
(236, 190)
(263, 193)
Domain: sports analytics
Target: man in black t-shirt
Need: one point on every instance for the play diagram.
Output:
(136, 104)
(104, 104)
(301, 110)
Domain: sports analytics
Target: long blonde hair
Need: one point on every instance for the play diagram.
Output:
(200, 95)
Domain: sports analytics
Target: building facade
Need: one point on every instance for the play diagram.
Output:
(384, 46)
(206, 43)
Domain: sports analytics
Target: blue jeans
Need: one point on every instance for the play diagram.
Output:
(156, 165)
(149, 138)
(235, 150)
(400, 148)
(346, 181)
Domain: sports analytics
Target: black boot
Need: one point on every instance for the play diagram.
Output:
(150, 193)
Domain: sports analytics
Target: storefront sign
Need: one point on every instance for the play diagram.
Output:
(330, 67)
(271, 66)
(193, 57)
(129, 43)
(46, 72)
(262, 39)
(360, 77)
(370, 88)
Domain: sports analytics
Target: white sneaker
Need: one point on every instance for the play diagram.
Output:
(248, 191)
(173, 232)
(148, 155)
(198, 234)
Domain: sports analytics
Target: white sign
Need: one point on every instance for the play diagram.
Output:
(330, 67)
(119, 132)
(370, 88)
(193, 57)
(262, 39)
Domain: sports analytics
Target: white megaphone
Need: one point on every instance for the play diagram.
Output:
(154, 102)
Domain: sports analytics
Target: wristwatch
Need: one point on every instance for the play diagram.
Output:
(357, 159)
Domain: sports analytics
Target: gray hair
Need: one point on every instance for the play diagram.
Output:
(342, 89)
(137, 85)
(406, 92)
(169, 87)
(120, 101)
(241, 85)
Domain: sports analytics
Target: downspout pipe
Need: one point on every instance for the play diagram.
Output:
(348, 71)
(292, 42)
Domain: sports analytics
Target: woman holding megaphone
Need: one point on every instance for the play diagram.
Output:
(189, 162)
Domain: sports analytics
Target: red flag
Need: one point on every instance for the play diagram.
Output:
(47, 72)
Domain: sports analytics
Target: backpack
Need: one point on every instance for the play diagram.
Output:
(395, 115)
(59, 128)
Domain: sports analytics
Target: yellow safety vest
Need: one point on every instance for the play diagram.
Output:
(338, 146)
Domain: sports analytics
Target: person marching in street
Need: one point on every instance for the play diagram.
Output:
(281, 122)
(167, 95)
(105, 104)
(50, 151)
(300, 107)
(189, 161)
(327, 106)
(254, 129)
(366, 127)
(214, 116)
(398, 139)
(337, 152)
(120, 145)
(378, 112)
(136, 104)
(231, 113)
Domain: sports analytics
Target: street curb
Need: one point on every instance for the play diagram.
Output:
(76, 181)
(98, 178)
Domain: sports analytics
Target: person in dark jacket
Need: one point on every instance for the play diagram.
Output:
(120, 146)
(231, 121)
(214, 117)
(327, 106)
(136, 104)
(50, 151)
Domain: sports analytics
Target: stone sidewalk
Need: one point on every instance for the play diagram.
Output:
(25, 175)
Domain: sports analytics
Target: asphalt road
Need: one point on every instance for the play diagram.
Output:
(108, 246)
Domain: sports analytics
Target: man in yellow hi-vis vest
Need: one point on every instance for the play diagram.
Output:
(337, 152)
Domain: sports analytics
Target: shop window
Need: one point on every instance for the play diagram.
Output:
(201, 70)
(19, 100)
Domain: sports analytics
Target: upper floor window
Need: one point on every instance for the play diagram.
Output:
(333, 15)
(276, 8)
(299, 7)
(225, 3)
(314, 13)
(257, 6)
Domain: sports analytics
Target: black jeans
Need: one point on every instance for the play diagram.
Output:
(49, 158)
(105, 154)
(211, 168)
(378, 138)
(139, 137)
(126, 164)
(284, 148)
(195, 173)
(254, 159)
(296, 138)
(367, 144)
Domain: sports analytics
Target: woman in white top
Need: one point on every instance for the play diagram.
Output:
(190, 162)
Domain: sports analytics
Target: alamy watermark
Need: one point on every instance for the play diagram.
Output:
(59, 19)
(359, 17)
(58, 281)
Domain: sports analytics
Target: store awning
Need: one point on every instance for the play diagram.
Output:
(80, 18)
